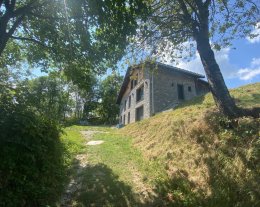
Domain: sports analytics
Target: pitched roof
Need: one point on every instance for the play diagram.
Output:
(161, 65)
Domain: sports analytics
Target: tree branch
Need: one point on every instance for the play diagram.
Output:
(193, 9)
(22, 10)
(54, 18)
(15, 25)
(30, 40)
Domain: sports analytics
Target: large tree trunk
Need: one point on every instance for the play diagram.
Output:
(219, 90)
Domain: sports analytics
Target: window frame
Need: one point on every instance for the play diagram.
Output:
(141, 88)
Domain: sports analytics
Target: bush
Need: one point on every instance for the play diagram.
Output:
(31, 161)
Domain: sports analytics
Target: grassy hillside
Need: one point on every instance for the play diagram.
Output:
(208, 161)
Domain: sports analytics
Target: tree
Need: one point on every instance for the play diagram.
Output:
(109, 89)
(210, 24)
(48, 96)
(86, 97)
(77, 36)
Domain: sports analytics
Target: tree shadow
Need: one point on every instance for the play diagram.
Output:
(97, 185)
(251, 100)
(101, 187)
(196, 101)
(233, 168)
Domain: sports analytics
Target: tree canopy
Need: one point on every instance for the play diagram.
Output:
(77, 36)
(109, 89)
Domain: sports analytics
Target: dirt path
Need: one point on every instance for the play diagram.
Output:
(100, 181)
(80, 163)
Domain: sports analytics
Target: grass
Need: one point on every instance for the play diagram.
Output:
(190, 156)
(117, 174)
(118, 154)
(208, 161)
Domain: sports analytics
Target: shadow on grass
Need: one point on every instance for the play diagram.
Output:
(101, 187)
(249, 100)
(198, 100)
(233, 167)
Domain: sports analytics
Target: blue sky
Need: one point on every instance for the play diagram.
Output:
(239, 66)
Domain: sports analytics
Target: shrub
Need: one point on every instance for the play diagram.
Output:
(31, 161)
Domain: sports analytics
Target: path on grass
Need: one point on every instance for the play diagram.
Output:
(107, 174)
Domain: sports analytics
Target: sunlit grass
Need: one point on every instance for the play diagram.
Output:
(208, 162)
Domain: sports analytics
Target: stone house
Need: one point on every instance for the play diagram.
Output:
(151, 88)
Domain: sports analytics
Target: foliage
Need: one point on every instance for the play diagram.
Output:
(47, 95)
(109, 89)
(54, 96)
(78, 36)
(31, 157)
(172, 29)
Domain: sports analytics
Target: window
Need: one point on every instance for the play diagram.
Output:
(128, 118)
(180, 92)
(133, 83)
(120, 119)
(189, 88)
(140, 94)
(125, 105)
(139, 113)
(129, 101)
(124, 120)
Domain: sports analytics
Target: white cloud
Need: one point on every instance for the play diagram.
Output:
(222, 57)
(250, 72)
(229, 70)
(255, 62)
(256, 31)
(247, 74)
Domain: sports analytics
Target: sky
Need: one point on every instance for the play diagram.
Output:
(239, 64)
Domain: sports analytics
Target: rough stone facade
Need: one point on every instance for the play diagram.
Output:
(164, 87)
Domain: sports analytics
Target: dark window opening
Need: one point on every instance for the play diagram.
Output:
(140, 94)
(139, 113)
(120, 119)
(133, 83)
(129, 101)
(124, 120)
(128, 118)
(180, 92)
(125, 105)
(189, 88)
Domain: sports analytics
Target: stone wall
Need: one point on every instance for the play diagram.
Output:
(160, 91)
(125, 111)
(165, 88)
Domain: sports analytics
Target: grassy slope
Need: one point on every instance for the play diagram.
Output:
(116, 173)
(208, 162)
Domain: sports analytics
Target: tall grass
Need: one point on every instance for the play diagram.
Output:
(209, 161)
